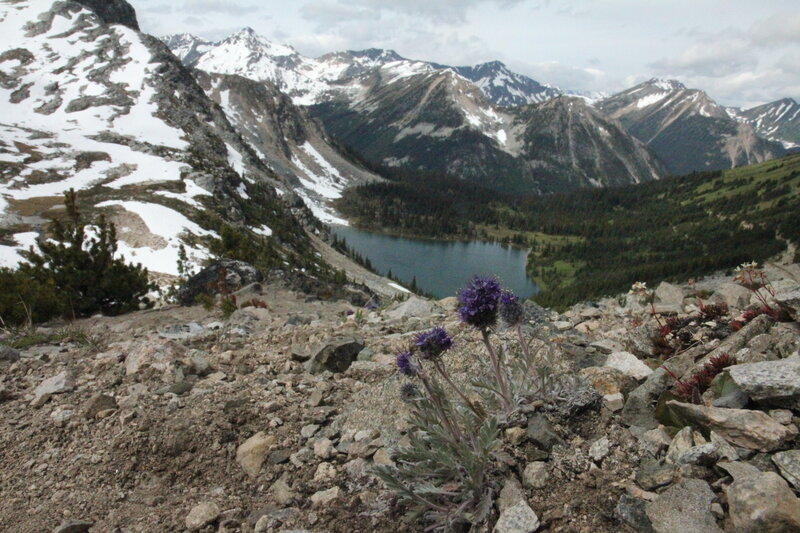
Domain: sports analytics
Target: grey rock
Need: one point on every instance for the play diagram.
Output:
(74, 526)
(8, 354)
(181, 331)
(541, 432)
(600, 449)
(732, 294)
(413, 307)
(336, 355)
(724, 449)
(681, 443)
(782, 416)
(201, 515)
(639, 409)
(734, 398)
(628, 364)
(772, 382)
(668, 298)
(640, 341)
(651, 475)
(519, 518)
(510, 495)
(632, 511)
(536, 475)
(763, 503)
(113, 12)
(788, 463)
(607, 346)
(685, 506)
(739, 469)
(790, 300)
(754, 430)
(226, 276)
(58, 384)
(98, 403)
(325, 497)
(737, 341)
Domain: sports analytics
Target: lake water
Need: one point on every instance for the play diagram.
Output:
(440, 267)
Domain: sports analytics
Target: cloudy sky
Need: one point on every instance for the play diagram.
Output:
(742, 52)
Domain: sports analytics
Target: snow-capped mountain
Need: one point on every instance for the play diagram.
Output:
(506, 88)
(87, 102)
(308, 80)
(440, 122)
(685, 128)
(399, 112)
(776, 121)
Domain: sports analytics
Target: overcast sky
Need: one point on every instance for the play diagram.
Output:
(742, 52)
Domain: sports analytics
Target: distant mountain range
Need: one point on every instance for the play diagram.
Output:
(475, 121)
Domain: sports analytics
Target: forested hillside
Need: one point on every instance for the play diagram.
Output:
(595, 242)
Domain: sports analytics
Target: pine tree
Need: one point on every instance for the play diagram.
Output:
(87, 276)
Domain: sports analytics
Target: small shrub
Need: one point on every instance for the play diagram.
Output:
(83, 268)
(228, 305)
(206, 300)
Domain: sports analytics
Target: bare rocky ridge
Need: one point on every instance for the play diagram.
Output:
(180, 419)
(686, 129)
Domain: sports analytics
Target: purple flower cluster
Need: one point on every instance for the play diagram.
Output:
(405, 364)
(433, 343)
(510, 309)
(478, 302)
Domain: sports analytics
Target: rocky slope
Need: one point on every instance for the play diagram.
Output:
(292, 144)
(269, 420)
(777, 121)
(686, 129)
(110, 112)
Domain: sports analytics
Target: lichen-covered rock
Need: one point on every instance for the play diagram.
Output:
(685, 506)
(773, 382)
(754, 430)
(518, 518)
(763, 503)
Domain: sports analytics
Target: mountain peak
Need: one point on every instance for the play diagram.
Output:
(665, 84)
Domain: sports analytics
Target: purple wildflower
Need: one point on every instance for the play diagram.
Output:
(410, 392)
(479, 301)
(433, 343)
(406, 365)
(510, 309)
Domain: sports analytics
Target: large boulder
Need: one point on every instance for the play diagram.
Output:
(335, 355)
(685, 506)
(772, 382)
(763, 503)
(413, 307)
(224, 276)
(733, 295)
(753, 430)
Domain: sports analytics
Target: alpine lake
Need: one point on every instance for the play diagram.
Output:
(440, 268)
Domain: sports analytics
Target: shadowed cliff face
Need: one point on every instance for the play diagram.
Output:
(113, 12)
